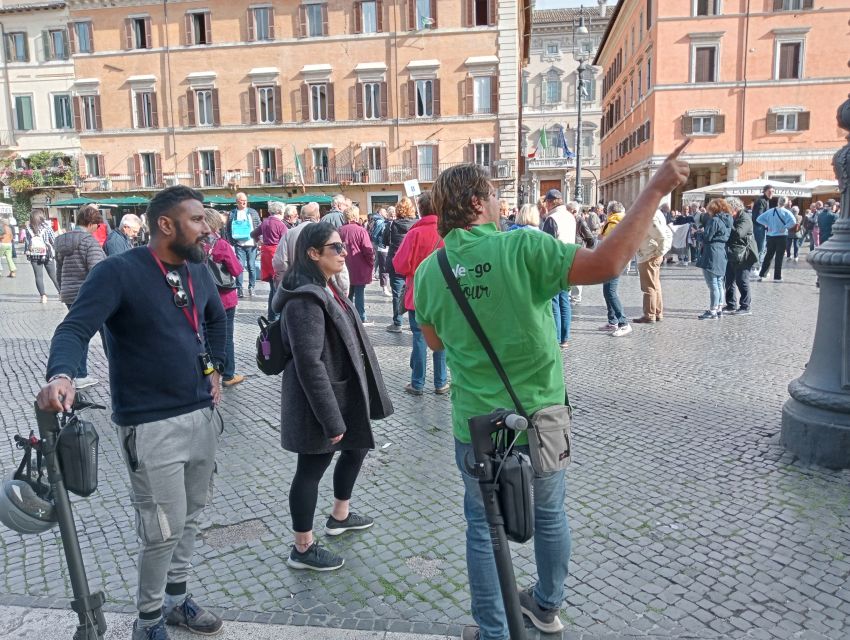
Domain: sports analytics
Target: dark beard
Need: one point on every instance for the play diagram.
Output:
(187, 250)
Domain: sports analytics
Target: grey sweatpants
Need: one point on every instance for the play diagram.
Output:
(171, 464)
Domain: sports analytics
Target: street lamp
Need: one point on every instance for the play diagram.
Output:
(582, 67)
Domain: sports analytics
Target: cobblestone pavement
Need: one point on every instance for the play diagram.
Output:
(688, 519)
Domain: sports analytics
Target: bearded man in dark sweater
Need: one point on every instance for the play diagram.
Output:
(166, 345)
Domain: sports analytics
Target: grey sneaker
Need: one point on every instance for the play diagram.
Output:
(394, 328)
(315, 558)
(409, 388)
(546, 620)
(353, 522)
(155, 632)
(191, 616)
(470, 632)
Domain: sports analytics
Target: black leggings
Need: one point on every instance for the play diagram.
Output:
(304, 492)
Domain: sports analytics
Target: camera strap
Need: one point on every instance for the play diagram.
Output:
(477, 329)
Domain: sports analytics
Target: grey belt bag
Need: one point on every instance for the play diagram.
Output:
(550, 432)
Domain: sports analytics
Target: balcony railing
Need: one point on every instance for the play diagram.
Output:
(290, 177)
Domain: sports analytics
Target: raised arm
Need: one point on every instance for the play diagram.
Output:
(593, 266)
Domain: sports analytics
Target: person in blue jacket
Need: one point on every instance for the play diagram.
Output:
(717, 226)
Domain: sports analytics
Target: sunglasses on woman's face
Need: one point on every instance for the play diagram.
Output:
(174, 281)
(339, 247)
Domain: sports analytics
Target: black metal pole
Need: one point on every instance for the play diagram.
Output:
(88, 606)
(481, 429)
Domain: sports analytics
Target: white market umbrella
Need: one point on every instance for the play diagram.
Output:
(821, 187)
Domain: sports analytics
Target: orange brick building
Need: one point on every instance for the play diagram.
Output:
(357, 96)
(755, 82)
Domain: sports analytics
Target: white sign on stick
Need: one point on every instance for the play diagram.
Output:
(411, 188)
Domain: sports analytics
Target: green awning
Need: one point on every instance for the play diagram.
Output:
(219, 201)
(264, 199)
(304, 198)
(126, 201)
(74, 202)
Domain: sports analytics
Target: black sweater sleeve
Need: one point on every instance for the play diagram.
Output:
(96, 302)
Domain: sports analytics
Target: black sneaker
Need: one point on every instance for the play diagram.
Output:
(546, 620)
(191, 616)
(315, 558)
(154, 632)
(743, 312)
(353, 522)
(394, 328)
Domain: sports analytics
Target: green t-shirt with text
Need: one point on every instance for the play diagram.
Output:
(510, 280)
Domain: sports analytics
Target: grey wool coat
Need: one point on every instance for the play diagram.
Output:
(333, 384)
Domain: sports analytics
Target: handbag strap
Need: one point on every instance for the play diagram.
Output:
(477, 329)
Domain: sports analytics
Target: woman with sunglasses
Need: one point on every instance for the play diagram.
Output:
(332, 387)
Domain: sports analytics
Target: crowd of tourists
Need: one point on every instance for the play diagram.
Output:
(165, 311)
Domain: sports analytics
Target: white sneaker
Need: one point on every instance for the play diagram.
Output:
(88, 381)
(619, 332)
(387, 292)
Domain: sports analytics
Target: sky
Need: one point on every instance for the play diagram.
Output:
(555, 4)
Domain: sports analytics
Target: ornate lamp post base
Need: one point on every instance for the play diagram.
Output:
(816, 418)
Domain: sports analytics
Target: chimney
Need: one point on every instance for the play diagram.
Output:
(603, 7)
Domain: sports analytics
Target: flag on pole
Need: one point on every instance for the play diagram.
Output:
(562, 143)
(543, 143)
(300, 169)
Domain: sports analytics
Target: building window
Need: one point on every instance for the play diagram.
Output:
(56, 45)
(263, 19)
(266, 111)
(147, 168)
(481, 154)
(424, 19)
(792, 5)
(425, 163)
(315, 20)
(706, 7)
(318, 102)
(481, 14)
(482, 89)
(368, 17)
(372, 100)
(640, 28)
(587, 143)
(268, 166)
(17, 49)
(205, 108)
(788, 121)
(321, 166)
(62, 118)
(552, 88)
(145, 110)
(90, 112)
(139, 36)
(524, 89)
(23, 113)
(424, 98)
(93, 165)
(209, 170)
(640, 83)
(374, 158)
(551, 48)
(699, 124)
(198, 28)
(705, 64)
(789, 64)
(648, 74)
(703, 124)
(83, 38)
(631, 92)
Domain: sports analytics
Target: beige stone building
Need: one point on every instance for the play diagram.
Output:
(262, 97)
(550, 102)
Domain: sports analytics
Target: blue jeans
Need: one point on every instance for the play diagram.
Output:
(419, 358)
(248, 257)
(563, 313)
(551, 547)
(229, 353)
(760, 232)
(616, 315)
(396, 284)
(792, 243)
(356, 294)
(716, 289)
(271, 315)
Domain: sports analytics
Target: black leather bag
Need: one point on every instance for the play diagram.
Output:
(77, 450)
(272, 353)
(515, 495)
(221, 276)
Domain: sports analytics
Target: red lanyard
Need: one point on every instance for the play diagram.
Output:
(336, 296)
(193, 319)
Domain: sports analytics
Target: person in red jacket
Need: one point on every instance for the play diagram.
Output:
(420, 242)
(360, 259)
(221, 252)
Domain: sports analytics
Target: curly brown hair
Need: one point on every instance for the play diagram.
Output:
(405, 208)
(452, 195)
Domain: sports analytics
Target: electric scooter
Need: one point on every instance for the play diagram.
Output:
(88, 606)
(486, 469)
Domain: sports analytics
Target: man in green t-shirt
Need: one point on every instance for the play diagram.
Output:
(510, 280)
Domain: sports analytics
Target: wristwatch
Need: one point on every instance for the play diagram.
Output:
(62, 375)
(219, 367)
